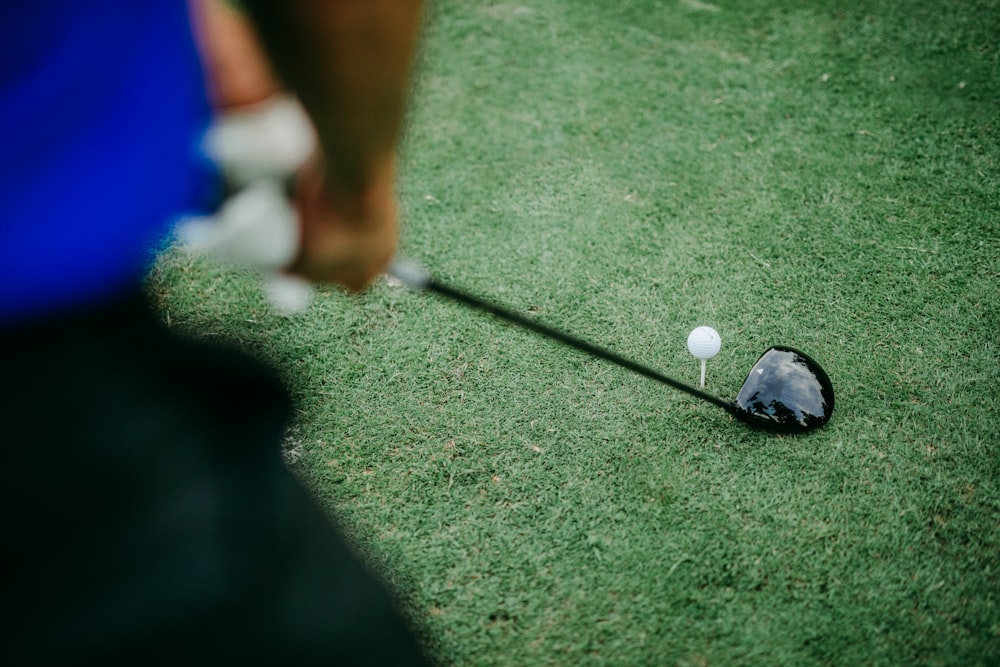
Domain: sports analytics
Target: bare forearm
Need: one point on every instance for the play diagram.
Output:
(350, 63)
(238, 73)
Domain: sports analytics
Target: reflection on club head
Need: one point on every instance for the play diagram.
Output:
(786, 391)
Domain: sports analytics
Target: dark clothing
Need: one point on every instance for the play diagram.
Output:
(148, 516)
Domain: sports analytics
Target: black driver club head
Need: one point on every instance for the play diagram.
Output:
(786, 391)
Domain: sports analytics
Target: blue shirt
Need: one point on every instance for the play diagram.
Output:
(102, 109)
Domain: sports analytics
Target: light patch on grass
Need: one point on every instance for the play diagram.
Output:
(701, 6)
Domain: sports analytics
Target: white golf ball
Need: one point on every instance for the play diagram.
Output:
(704, 342)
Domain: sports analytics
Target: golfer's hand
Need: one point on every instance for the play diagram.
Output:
(347, 238)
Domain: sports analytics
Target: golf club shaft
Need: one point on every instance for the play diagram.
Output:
(417, 278)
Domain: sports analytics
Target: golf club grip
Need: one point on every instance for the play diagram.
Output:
(520, 320)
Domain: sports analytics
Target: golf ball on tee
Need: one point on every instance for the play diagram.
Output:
(704, 342)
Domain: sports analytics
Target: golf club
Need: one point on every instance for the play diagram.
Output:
(786, 391)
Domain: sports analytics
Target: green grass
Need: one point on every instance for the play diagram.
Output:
(824, 175)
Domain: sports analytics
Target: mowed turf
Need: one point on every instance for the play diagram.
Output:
(824, 175)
